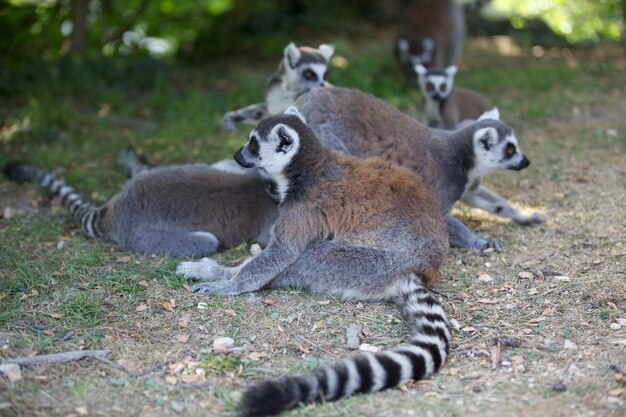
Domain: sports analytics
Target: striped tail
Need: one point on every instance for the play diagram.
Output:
(85, 213)
(421, 356)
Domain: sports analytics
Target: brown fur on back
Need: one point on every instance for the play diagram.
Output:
(463, 104)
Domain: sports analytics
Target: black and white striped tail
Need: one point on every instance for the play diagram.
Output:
(421, 356)
(85, 213)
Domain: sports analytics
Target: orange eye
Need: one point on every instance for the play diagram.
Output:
(309, 75)
(430, 87)
(510, 150)
(443, 87)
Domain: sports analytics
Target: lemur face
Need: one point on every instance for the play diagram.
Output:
(495, 146)
(436, 83)
(424, 58)
(306, 67)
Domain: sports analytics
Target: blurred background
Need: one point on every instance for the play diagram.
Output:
(81, 79)
(200, 30)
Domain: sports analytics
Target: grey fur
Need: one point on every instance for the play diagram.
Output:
(286, 84)
(359, 229)
(445, 159)
(181, 210)
(432, 33)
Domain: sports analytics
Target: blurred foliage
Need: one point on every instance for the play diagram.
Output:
(576, 20)
(200, 29)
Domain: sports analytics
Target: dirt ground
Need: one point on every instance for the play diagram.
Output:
(537, 327)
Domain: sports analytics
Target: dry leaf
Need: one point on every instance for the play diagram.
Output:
(548, 311)
(487, 301)
(142, 307)
(190, 379)
(172, 380)
(485, 278)
(182, 338)
(325, 302)
(616, 392)
(144, 283)
(537, 320)
(256, 356)
(469, 329)
(230, 312)
(82, 411)
(455, 324)
(11, 371)
(183, 323)
(366, 347)
(168, 306)
(122, 259)
(215, 408)
(268, 302)
(187, 288)
(533, 291)
(525, 275)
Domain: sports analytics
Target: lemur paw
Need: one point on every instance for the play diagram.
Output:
(489, 244)
(530, 220)
(212, 288)
(206, 269)
(228, 122)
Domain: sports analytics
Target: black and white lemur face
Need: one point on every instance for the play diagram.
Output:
(306, 67)
(271, 147)
(495, 146)
(436, 83)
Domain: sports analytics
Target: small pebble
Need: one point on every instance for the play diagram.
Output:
(614, 401)
(202, 305)
(476, 389)
(178, 407)
(255, 249)
(621, 322)
(520, 368)
(559, 387)
(366, 347)
(223, 342)
(568, 344)
(616, 326)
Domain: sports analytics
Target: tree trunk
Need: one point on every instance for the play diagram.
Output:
(78, 37)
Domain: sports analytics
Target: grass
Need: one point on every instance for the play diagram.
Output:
(83, 294)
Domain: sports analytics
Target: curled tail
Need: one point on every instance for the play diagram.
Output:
(85, 213)
(421, 356)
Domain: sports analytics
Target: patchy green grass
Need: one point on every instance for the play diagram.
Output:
(60, 291)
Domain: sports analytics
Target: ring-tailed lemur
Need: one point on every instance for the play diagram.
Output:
(300, 70)
(360, 229)
(431, 34)
(181, 210)
(446, 106)
(451, 162)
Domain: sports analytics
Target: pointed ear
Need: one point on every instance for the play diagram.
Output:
(451, 71)
(490, 114)
(486, 137)
(292, 110)
(420, 69)
(292, 55)
(326, 50)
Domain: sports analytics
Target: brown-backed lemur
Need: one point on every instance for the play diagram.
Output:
(359, 229)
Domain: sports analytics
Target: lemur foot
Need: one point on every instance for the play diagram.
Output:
(530, 220)
(228, 122)
(205, 269)
(212, 288)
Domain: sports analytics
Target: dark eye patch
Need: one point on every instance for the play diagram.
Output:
(309, 75)
(430, 87)
(442, 87)
(253, 147)
(285, 142)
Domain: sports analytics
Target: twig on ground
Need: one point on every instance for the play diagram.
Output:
(446, 296)
(59, 357)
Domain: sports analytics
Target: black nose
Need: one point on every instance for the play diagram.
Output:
(241, 160)
(523, 164)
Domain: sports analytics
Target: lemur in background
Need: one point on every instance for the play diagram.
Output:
(300, 70)
(180, 210)
(431, 34)
(359, 229)
(447, 107)
(451, 162)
